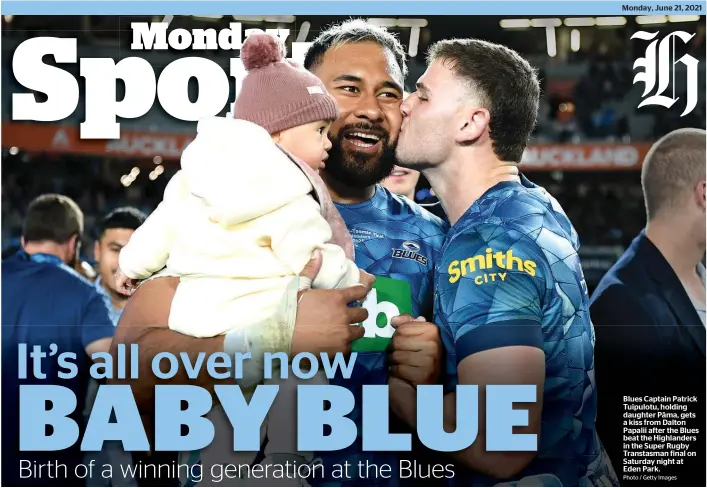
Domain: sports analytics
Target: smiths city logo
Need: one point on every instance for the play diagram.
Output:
(499, 262)
(410, 250)
(659, 75)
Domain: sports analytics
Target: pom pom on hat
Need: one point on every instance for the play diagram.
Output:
(276, 93)
(261, 49)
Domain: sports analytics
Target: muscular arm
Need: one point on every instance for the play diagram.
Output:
(322, 325)
(519, 365)
(515, 365)
(495, 336)
(144, 322)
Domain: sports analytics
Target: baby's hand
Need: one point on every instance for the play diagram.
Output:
(123, 284)
(365, 278)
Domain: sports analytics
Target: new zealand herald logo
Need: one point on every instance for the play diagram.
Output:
(659, 71)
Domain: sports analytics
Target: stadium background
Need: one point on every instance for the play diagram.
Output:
(587, 148)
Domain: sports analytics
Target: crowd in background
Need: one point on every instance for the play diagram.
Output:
(605, 207)
(94, 183)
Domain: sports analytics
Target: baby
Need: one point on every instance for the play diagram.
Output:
(243, 216)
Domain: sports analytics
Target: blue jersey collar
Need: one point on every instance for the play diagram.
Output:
(378, 195)
(41, 258)
(524, 183)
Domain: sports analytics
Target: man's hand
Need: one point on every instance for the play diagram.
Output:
(366, 279)
(417, 355)
(416, 359)
(323, 322)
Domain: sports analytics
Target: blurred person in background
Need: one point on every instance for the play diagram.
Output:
(649, 308)
(402, 181)
(114, 232)
(46, 302)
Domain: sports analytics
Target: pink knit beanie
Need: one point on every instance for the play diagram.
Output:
(276, 94)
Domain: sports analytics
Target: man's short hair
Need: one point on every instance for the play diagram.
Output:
(674, 164)
(505, 84)
(120, 218)
(52, 217)
(352, 31)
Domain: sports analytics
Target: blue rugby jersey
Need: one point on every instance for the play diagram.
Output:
(394, 238)
(509, 274)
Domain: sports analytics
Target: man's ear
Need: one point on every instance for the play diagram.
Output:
(473, 125)
(74, 243)
(700, 195)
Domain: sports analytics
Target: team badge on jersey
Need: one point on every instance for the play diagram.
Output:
(410, 250)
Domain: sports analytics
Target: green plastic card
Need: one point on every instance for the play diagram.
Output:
(388, 298)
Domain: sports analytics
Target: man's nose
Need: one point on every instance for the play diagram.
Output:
(369, 108)
(406, 107)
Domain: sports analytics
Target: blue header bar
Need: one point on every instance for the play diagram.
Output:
(328, 7)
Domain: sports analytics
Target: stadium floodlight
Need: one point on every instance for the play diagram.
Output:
(551, 41)
(249, 18)
(611, 21)
(411, 23)
(414, 41)
(303, 31)
(381, 21)
(683, 18)
(651, 19)
(515, 23)
(545, 22)
(574, 40)
(388, 22)
(580, 21)
(280, 19)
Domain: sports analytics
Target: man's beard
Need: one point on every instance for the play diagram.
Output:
(358, 169)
